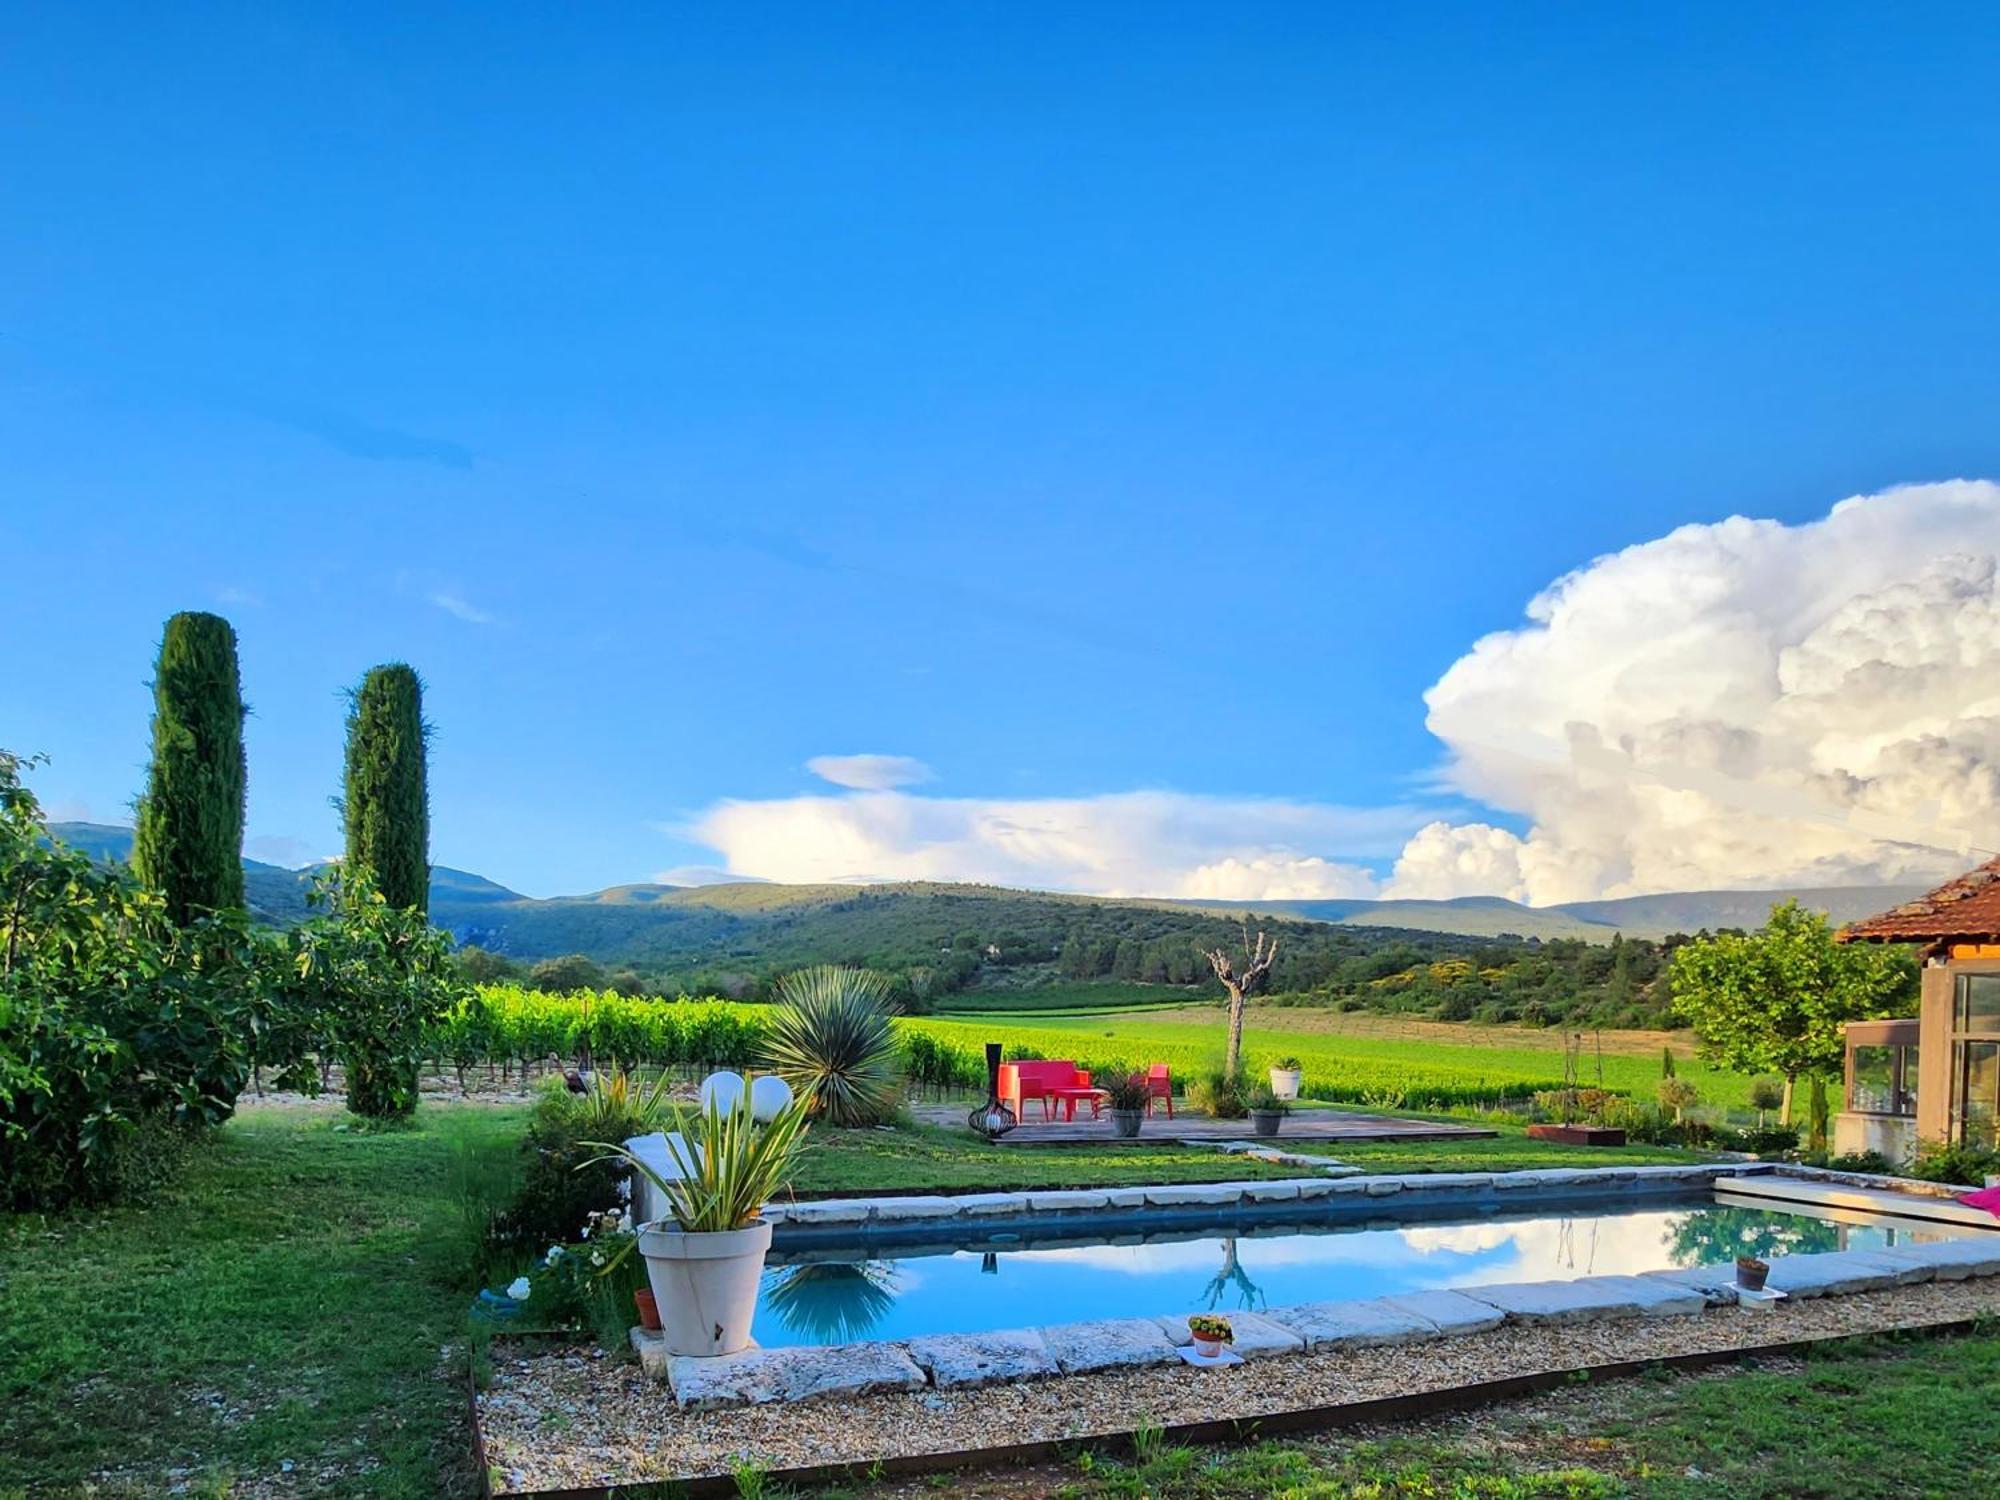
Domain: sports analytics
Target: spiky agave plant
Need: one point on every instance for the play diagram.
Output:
(831, 1040)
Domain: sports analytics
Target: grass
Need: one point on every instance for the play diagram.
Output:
(297, 1298)
(1859, 1419)
(1358, 1057)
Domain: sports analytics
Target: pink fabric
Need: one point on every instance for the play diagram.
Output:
(1986, 1198)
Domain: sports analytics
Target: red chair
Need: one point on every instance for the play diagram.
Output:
(1159, 1085)
(1037, 1078)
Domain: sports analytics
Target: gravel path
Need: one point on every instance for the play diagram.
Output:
(574, 1417)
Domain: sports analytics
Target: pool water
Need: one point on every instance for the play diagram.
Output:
(832, 1297)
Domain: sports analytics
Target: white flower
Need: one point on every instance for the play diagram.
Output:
(554, 1255)
(597, 1257)
(586, 1231)
(518, 1289)
(625, 1188)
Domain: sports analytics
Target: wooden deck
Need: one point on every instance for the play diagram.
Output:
(1313, 1126)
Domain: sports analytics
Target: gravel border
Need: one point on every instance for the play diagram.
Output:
(572, 1418)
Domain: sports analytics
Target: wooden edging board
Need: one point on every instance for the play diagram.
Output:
(1224, 1430)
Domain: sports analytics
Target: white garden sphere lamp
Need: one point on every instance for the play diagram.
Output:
(721, 1090)
(768, 1097)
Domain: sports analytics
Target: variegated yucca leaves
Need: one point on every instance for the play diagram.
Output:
(831, 1039)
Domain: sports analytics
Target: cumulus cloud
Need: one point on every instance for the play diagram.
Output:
(1742, 704)
(1127, 843)
(701, 875)
(872, 773)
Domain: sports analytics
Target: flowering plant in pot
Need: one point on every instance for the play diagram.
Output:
(1127, 1096)
(1211, 1334)
(1285, 1075)
(705, 1260)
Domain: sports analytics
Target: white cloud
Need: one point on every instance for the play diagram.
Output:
(1742, 704)
(453, 604)
(872, 773)
(699, 875)
(1125, 843)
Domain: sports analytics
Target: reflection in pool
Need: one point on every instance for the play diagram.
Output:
(825, 1297)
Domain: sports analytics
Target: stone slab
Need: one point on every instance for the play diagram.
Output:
(887, 1209)
(829, 1211)
(758, 1376)
(1194, 1194)
(1588, 1299)
(1449, 1312)
(972, 1359)
(1952, 1260)
(1836, 1273)
(1358, 1324)
(1068, 1200)
(651, 1347)
(1255, 1337)
(993, 1203)
(1108, 1344)
(1717, 1284)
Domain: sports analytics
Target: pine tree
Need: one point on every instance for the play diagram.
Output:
(386, 801)
(188, 844)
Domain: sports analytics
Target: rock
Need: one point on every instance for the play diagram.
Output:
(1108, 1344)
(1448, 1312)
(1283, 1190)
(1202, 1194)
(1358, 1323)
(1588, 1299)
(972, 1359)
(1255, 1337)
(651, 1347)
(1951, 1260)
(1067, 1200)
(757, 1376)
(1381, 1187)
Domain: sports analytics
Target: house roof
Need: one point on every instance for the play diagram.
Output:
(1966, 909)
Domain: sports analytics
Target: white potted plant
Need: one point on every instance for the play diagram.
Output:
(705, 1259)
(1285, 1074)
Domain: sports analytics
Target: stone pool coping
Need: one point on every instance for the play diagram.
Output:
(952, 1361)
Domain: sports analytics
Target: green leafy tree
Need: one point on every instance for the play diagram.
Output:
(383, 978)
(572, 971)
(1775, 1000)
(386, 800)
(188, 844)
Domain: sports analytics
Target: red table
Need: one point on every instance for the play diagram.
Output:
(1068, 1098)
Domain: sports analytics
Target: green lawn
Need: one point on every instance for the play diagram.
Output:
(1858, 1420)
(297, 1298)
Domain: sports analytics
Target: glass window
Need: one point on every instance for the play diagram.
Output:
(1976, 1084)
(1979, 1003)
(1873, 1090)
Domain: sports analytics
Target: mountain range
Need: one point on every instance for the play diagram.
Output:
(760, 923)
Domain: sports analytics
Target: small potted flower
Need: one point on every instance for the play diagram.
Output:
(1285, 1074)
(1750, 1272)
(1127, 1098)
(1211, 1334)
(1267, 1111)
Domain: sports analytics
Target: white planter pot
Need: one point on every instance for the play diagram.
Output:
(1285, 1082)
(706, 1285)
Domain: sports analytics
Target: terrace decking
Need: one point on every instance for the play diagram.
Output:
(1317, 1125)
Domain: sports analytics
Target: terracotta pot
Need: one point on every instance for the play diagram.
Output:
(649, 1310)
(1208, 1348)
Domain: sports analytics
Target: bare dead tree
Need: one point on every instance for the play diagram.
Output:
(1241, 984)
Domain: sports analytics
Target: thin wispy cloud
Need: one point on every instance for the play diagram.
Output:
(870, 773)
(454, 604)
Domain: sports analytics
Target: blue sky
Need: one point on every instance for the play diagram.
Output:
(1082, 401)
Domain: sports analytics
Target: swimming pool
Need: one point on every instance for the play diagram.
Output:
(992, 1279)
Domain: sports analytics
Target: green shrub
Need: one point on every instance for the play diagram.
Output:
(1960, 1163)
(831, 1039)
(1862, 1161)
(1218, 1095)
(566, 1176)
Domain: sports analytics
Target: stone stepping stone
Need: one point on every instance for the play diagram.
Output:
(758, 1376)
(1836, 1273)
(973, 1359)
(1589, 1299)
(1358, 1324)
(1108, 1344)
(1256, 1337)
(1717, 1284)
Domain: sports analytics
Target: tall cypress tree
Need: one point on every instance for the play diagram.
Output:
(386, 804)
(189, 841)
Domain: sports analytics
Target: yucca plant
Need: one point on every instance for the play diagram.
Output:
(831, 1040)
(729, 1165)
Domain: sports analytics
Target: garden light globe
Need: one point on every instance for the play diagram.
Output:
(722, 1090)
(768, 1097)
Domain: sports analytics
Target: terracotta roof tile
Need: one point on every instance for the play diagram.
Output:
(1967, 908)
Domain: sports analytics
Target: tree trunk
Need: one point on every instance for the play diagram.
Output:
(1785, 1106)
(1234, 1065)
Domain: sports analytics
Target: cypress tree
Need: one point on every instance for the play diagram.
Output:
(386, 805)
(188, 844)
